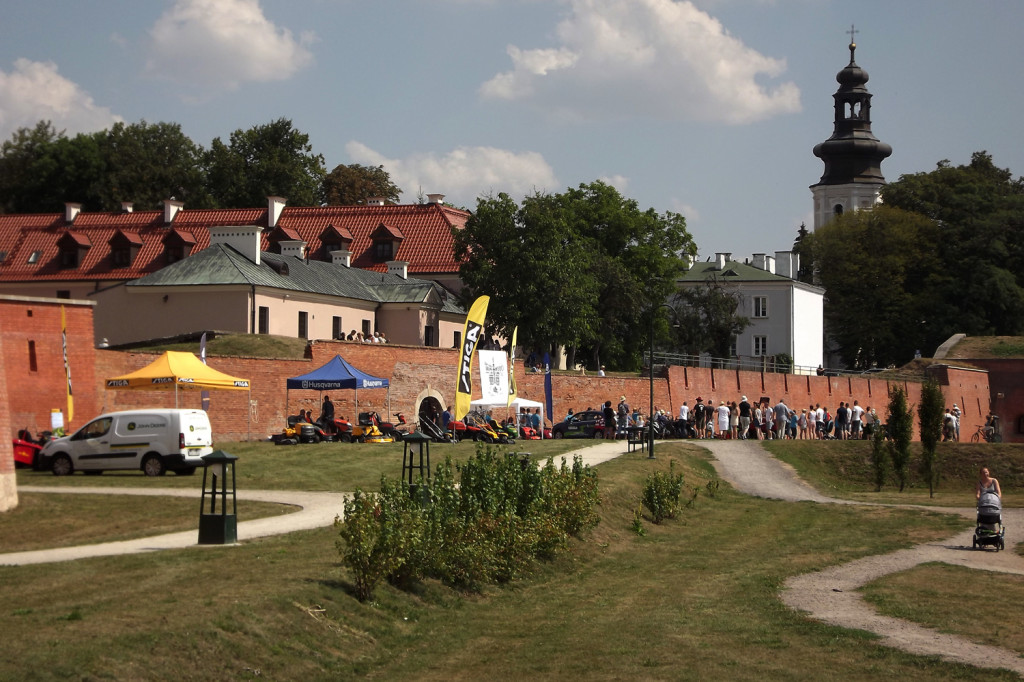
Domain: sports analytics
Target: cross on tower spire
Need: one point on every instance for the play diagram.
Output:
(853, 45)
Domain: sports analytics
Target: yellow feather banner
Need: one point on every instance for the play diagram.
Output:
(471, 334)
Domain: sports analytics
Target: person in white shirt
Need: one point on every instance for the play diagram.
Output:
(600, 372)
(819, 417)
(812, 422)
(956, 415)
(856, 415)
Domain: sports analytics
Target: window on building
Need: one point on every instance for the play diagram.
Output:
(69, 258)
(264, 320)
(122, 257)
(760, 345)
(3, 256)
(174, 254)
(760, 306)
(63, 293)
(838, 209)
(33, 366)
(458, 340)
(429, 336)
(303, 324)
(336, 329)
(733, 346)
(366, 328)
(34, 257)
(383, 250)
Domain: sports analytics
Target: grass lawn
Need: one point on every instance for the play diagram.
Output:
(694, 598)
(338, 467)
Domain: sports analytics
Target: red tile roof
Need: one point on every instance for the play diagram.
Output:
(425, 231)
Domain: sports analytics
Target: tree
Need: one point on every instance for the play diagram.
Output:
(708, 319)
(979, 276)
(584, 269)
(536, 271)
(269, 160)
(878, 269)
(930, 412)
(900, 427)
(148, 163)
(353, 184)
(22, 189)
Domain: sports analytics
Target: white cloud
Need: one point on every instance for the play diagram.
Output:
(619, 182)
(464, 173)
(660, 58)
(220, 44)
(34, 91)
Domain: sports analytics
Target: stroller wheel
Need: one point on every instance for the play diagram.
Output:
(974, 543)
(1001, 545)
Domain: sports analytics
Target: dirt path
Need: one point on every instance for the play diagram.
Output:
(831, 595)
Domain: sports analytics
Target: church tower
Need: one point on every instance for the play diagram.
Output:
(853, 155)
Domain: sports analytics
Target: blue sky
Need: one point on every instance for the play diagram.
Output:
(709, 108)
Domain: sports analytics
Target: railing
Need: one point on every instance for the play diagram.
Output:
(748, 363)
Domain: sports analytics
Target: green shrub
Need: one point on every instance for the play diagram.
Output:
(661, 493)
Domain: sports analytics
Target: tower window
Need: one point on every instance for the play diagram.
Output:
(837, 209)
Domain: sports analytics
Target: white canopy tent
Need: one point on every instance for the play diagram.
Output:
(515, 404)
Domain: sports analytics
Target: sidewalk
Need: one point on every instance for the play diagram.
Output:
(315, 510)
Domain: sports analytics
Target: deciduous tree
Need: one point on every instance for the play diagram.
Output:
(354, 184)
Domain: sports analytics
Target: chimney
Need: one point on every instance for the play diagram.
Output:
(784, 264)
(721, 259)
(293, 247)
(274, 207)
(758, 261)
(769, 264)
(375, 201)
(342, 257)
(244, 239)
(127, 207)
(435, 199)
(688, 261)
(171, 208)
(398, 267)
(71, 212)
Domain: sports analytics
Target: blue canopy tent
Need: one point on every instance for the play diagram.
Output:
(339, 375)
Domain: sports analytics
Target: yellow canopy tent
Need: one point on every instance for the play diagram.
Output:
(178, 370)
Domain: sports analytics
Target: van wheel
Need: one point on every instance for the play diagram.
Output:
(153, 465)
(62, 466)
(187, 471)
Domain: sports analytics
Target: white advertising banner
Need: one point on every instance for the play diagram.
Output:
(493, 376)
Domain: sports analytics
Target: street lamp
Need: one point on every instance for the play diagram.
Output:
(650, 368)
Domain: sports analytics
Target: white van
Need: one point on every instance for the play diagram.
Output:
(151, 440)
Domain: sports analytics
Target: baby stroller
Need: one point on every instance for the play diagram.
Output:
(990, 530)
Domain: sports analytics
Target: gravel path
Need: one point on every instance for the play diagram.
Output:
(831, 595)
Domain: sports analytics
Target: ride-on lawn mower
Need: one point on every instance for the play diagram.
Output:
(366, 431)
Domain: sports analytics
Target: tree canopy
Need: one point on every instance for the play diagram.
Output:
(272, 159)
(354, 184)
(944, 254)
(583, 269)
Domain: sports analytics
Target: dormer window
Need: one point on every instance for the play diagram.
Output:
(72, 248)
(386, 240)
(178, 245)
(124, 246)
(334, 239)
(281, 234)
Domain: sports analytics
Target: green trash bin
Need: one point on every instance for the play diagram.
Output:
(218, 526)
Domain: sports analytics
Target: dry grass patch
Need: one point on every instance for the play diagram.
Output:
(46, 520)
(981, 606)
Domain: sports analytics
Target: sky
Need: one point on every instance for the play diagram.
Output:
(708, 108)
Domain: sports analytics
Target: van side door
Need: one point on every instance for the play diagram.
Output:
(90, 445)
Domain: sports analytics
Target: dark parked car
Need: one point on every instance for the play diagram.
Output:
(587, 424)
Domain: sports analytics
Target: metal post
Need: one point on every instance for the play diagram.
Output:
(650, 411)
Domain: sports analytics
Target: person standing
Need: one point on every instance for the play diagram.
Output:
(327, 415)
(781, 418)
(819, 417)
(956, 415)
(700, 417)
(446, 418)
(609, 420)
(684, 420)
(723, 418)
(856, 420)
(745, 415)
(841, 416)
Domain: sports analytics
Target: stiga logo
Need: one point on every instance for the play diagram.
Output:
(468, 344)
(242, 384)
(162, 380)
(115, 383)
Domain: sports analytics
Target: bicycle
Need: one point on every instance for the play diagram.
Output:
(989, 435)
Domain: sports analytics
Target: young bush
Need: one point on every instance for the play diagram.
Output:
(661, 493)
(878, 458)
(930, 413)
(901, 429)
(379, 534)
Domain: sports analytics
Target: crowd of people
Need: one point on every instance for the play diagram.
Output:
(761, 420)
(359, 337)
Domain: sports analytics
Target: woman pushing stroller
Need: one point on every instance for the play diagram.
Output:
(990, 530)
